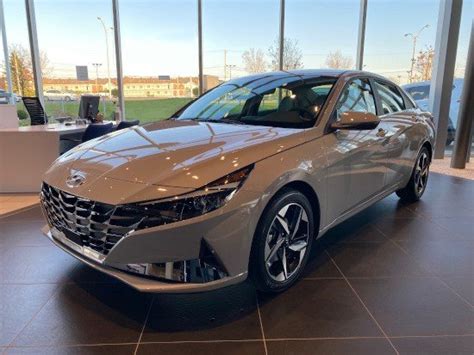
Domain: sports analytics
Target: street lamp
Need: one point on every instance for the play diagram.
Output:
(414, 37)
(107, 47)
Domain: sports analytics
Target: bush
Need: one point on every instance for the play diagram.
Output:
(22, 114)
(114, 92)
(195, 91)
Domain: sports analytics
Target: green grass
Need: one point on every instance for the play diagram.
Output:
(146, 110)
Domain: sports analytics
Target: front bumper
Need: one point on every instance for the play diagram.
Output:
(145, 284)
(198, 254)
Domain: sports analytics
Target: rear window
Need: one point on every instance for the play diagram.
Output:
(391, 99)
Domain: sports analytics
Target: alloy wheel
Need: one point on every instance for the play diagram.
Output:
(421, 173)
(286, 242)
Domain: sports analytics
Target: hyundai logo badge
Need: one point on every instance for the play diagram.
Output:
(75, 179)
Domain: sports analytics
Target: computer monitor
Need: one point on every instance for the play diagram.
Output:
(89, 106)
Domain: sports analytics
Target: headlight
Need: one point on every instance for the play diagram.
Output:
(199, 202)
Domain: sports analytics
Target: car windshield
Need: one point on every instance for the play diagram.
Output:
(281, 101)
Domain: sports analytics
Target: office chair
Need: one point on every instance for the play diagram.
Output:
(95, 130)
(35, 110)
(126, 124)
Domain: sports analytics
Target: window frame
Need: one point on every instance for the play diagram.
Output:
(332, 116)
(380, 112)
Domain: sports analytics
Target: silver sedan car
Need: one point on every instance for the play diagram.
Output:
(238, 183)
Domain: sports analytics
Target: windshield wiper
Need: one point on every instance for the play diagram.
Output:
(220, 120)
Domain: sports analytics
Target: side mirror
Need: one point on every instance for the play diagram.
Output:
(357, 120)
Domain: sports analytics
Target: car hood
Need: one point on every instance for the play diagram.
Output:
(169, 157)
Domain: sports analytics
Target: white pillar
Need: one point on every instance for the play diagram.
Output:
(464, 129)
(446, 44)
(361, 35)
(118, 58)
(8, 73)
(34, 48)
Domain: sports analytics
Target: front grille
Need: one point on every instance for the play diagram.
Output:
(99, 225)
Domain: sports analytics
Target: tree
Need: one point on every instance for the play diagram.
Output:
(22, 76)
(22, 69)
(254, 60)
(336, 60)
(114, 92)
(292, 56)
(424, 64)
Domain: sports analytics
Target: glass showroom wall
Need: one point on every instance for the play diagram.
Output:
(461, 59)
(19, 56)
(322, 34)
(160, 56)
(400, 40)
(77, 55)
(240, 37)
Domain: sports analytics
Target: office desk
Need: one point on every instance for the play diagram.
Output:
(27, 152)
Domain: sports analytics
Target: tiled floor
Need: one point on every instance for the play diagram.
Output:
(392, 279)
(13, 202)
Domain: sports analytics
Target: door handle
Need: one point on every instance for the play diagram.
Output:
(381, 132)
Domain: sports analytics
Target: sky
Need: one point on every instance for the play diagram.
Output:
(159, 37)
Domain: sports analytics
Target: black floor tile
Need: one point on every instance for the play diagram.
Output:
(463, 227)
(346, 232)
(320, 265)
(435, 345)
(228, 348)
(31, 214)
(444, 258)
(447, 208)
(88, 314)
(463, 286)
(383, 259)
(390, 207)
(18, 305)
(333, 347)
(23, 234)
(225, 314)
(85, 274)
(315, 308)
(415, 306)
(416, 228)
(35, 265)
(75, 350)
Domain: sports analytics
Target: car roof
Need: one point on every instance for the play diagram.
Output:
(302, 74)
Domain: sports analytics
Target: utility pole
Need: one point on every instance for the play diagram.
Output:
(414, 37)
(230, 66)
(225, 64)
(97, 65)
(108, 59)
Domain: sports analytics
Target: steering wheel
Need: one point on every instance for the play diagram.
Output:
(305, 114)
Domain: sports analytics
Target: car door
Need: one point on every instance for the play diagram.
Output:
(397, 115)
(355, 173)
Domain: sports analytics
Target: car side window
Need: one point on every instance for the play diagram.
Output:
(357, 96)
(390, 98)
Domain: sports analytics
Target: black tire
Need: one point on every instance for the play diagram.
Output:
(412, 192)
(67, 99)
(259, 270)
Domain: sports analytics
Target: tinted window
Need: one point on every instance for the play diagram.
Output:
(357, 96)
(390, 97)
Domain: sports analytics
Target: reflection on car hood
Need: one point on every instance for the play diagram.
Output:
(180, 154)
